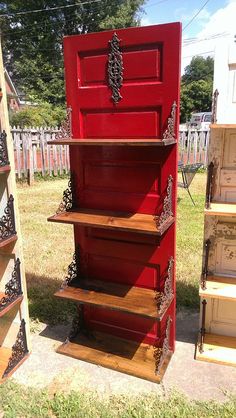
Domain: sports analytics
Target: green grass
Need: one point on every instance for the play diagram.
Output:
(16, 401)
(48, 247)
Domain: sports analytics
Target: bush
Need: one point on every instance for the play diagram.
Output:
(44, 114)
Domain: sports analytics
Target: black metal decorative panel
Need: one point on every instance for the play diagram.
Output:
(7, 221)
(3, 150)
(19, 349)
(115, 68)
(12, 288)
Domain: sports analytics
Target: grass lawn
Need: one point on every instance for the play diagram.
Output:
(48, 250)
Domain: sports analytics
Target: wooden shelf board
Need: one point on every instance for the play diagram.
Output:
(135, 300)
(117, 354)
(114, 141)
(131, 222)
(221, 209)
(7, 241)
(5, 354)
(5, 169)
(10, 306)
(219, 287)
(218, 349)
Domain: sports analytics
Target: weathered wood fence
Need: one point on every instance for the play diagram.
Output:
(34, 155)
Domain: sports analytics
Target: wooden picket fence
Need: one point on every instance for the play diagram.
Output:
(34, 155)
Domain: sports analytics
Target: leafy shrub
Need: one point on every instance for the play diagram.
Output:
(44, 114)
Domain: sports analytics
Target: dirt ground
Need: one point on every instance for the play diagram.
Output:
(198, 380)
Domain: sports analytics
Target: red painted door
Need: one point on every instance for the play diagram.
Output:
(123, 178)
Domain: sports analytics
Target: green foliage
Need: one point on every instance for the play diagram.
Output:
(41, 115)
(16, 401)
(32, 43)
(196, 87)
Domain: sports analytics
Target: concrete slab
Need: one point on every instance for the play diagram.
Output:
(197, 380)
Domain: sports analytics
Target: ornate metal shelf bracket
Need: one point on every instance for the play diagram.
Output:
(67, 199)
(205, 272)
(3, 150)
(78, 325)
(7, 221)
(214, 106)
(13, 288)
(164, 299)
(19, 349)
(73, 270)
(160, 353)
(167, 210)
(65, 131)
(170, 130)
(203, 329)
(115, 68)
(209, 187)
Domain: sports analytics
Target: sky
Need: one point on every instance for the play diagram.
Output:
(216, 20)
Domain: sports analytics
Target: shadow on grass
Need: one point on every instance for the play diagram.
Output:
(187, 295)
(43, 305)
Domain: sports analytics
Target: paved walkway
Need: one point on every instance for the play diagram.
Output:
(198, 380)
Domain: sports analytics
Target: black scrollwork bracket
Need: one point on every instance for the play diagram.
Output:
(170, 130)
(7, 221)
(73, 270)
(205, 271)
(167, 211)
(78, 325)
(160, 353)
(209, 187)
(164, 299)
(19, 349)
(65, 131)
(115, 68)
(67, 199)
(214, 106)
(13, 288)
(203, 329)
(3, 150)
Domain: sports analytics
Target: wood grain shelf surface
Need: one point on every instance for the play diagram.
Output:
(5, 169)
(7, 241)
(221, 209)
(218, 349)
(117, 354)
(3, 311)
(135, 300)
(219, 287)
(5, 354)
(114, 142)
(130, 222)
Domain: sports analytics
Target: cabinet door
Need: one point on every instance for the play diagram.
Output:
(223, 153)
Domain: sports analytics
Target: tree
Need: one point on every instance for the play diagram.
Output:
(32, 42)
(196, 87)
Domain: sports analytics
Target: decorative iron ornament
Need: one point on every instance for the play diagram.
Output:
(7, 221)
(73, 270)
(3, 150)
(160, 353)
(78, 325)
(115, 68)
(65, 131)
(67, 199)
(164, 299)
(214, 106)
(19, 349)
(170, 130)
(13, 288)
(167, 210)
(209, 187)
(203, 329)
(205, 268)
